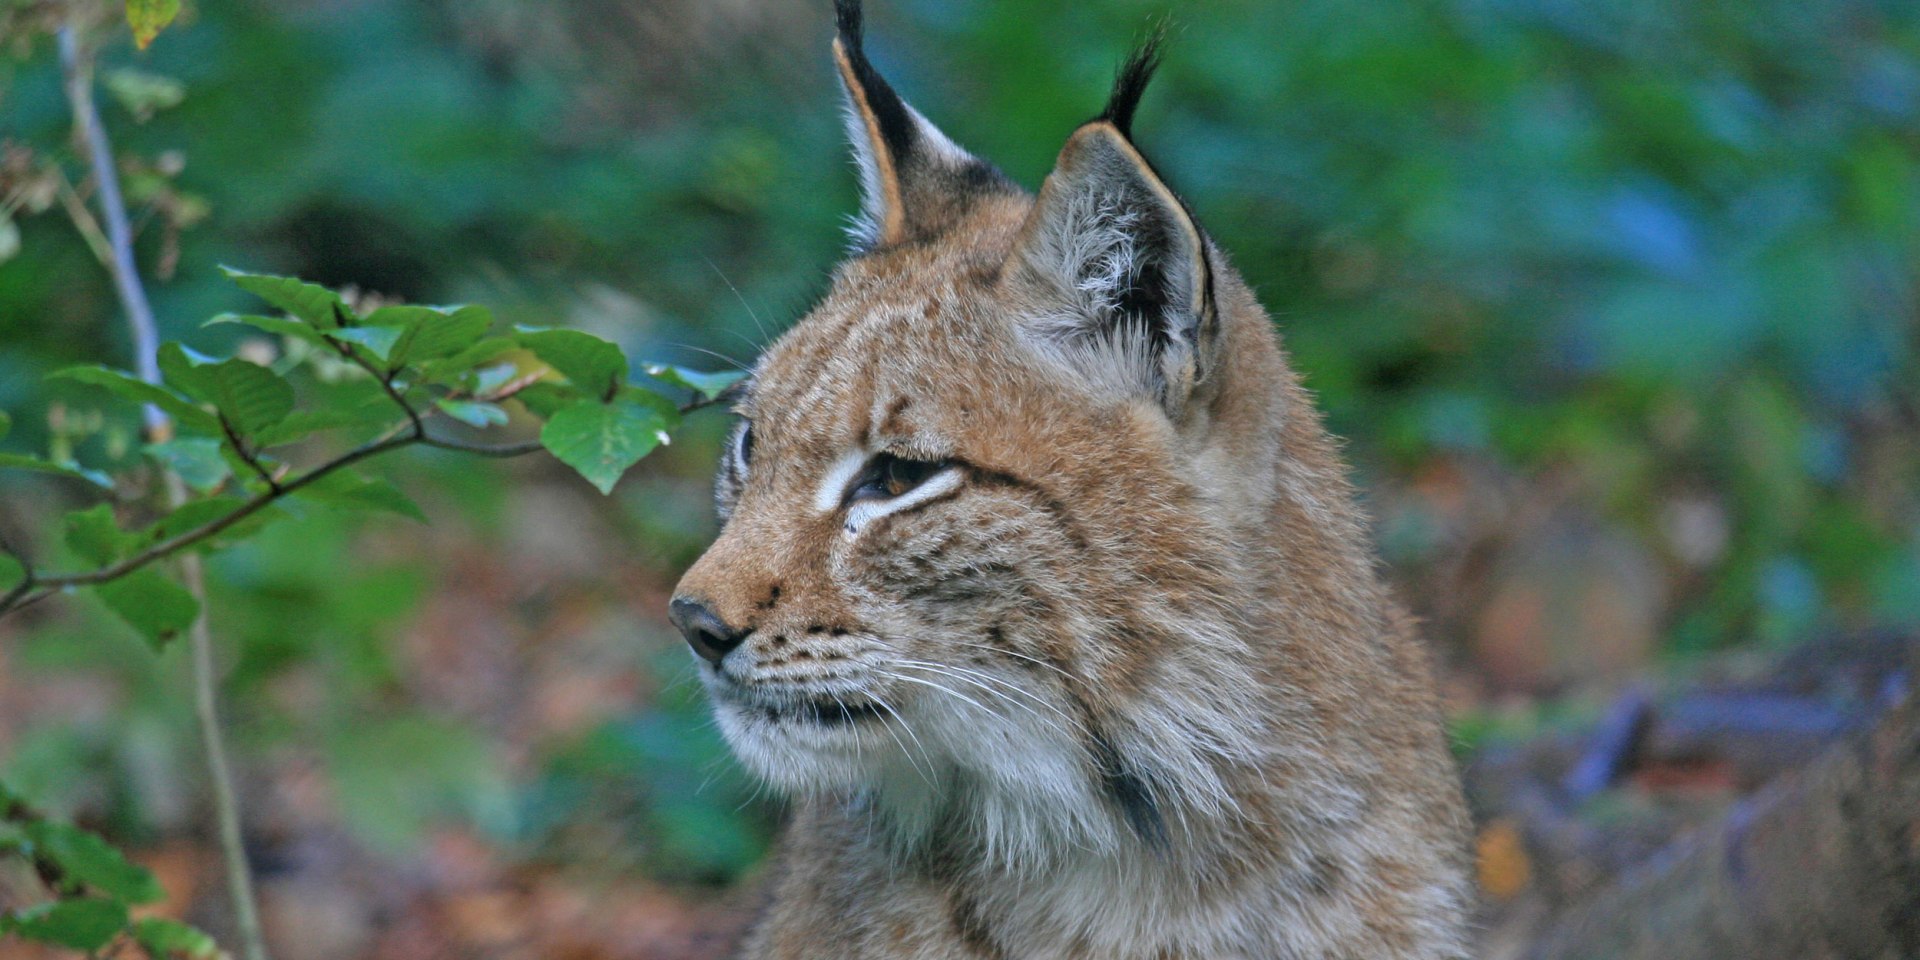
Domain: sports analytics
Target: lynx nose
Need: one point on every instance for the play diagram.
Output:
(706, 633)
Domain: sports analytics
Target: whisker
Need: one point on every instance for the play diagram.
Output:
(736, 364)
(948, 674)
(927, 774)
(757, 323)
(961, 673)
(1014, 653)
(949, 692)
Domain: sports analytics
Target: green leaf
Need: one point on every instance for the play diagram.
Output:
(310, 302)
(666, 410)
(597, 367)
(429, 333)
(183, 411)
(284, 326)
(344, 489)
(95, 535)
(196, 459)
(6, 423)
(172, 940)
(452, 367)
(152, 604)
(601, 440)
(143, 93)
(298, 425)
(707, 385)
(249, 395)
(493, 378)
(20, 461)
(474, 413)
(446, 334)
(80, 924)
(87, 858)
(149, 17)
(11, 572)
(378, 340)
(543, 400)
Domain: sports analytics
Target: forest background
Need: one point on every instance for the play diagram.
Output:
(1616, 303)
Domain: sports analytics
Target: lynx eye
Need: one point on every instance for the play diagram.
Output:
(888, 476)
(743, 447)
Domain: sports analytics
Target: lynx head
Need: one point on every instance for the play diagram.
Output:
(991, 506)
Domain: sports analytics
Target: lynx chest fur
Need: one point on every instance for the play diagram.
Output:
(1042, 594)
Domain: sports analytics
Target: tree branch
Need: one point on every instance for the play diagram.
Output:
(77, 68)
(38, 587)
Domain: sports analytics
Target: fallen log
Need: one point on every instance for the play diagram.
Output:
(1822, 863)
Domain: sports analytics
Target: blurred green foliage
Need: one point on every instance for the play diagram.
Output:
(1656, 251)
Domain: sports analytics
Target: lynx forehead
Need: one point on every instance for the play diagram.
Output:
(1042, 594)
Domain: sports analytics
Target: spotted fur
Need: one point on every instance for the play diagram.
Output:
(1061, 628)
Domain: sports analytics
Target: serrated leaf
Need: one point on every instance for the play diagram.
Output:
(446, 334)
(708, 385)
(87, 858)
(20, 461)
(283, 326)
(182, 410)
(343, 489)
(310, 302)
(95, 535)
(80, 924)
(379, 341)
(172, 940)
(473, 412)
(149, 17)
(196, 460)
(601, 440)
(250, 396)
(433, 332)
(152, 604)
(596, 367)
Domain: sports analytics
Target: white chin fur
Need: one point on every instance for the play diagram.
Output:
(1024, 786)
(796, 757)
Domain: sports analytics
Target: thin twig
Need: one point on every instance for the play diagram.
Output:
(383, 377)
(248, 457)
(77, 67)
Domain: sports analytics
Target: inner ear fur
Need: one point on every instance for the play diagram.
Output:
(1124, 267)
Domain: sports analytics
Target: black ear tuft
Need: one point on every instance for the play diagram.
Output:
(1131, 81)
(888, 110)
(847, 16)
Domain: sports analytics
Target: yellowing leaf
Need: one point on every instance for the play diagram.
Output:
(149, 17)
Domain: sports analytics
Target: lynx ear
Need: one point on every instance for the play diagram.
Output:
(1108, 240)
(914, 181)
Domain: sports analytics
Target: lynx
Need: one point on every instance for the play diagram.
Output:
(1042, 595)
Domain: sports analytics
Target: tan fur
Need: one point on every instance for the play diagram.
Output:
(1120, 597)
